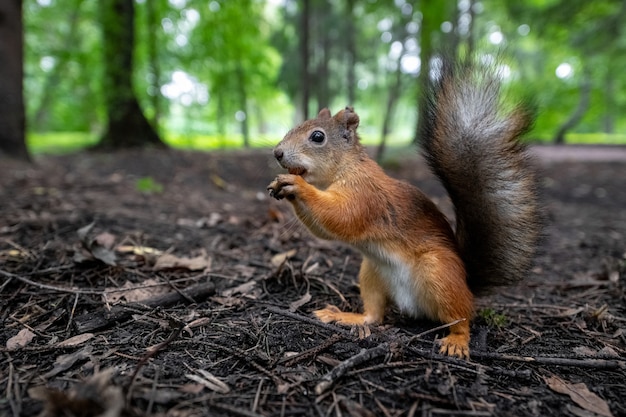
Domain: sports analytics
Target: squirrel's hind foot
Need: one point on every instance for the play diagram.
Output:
(455, 345)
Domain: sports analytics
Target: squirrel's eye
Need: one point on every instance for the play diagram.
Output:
(317, 137)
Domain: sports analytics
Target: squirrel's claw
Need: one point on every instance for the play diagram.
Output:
(272, 190)
(275, 189)
(281, 187)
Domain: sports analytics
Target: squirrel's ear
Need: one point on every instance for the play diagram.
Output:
(348, 117)
(324, 114)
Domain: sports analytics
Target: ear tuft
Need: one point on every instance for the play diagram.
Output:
(324, 114)
(348, 117)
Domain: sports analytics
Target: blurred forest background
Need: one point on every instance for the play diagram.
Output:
(220, 73)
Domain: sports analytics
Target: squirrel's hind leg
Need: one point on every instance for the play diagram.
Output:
(448, 298)
(374, 297)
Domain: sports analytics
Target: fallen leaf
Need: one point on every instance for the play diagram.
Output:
(608, 352)
(244, 271)
(585, 351)
(76, 340)
(281, 258)
(23, 338)
(243, 289)
(605, 352)
(191, 388)
(300, 302)
(234, 220)
(99, 248)
(228, 301)
(138, 250)
(169, 261)
(218, 181)
(64, 362)
(136, 292)
(84, 231)
(105, 239)
(571, 312)
(213, 220)
(103, 254)
(580, 394)
(186, 222)
(210, 381)
(579, 412)
(14, 254)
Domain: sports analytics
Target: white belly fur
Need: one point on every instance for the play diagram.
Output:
(405, 290)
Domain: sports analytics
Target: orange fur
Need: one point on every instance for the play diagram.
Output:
(411, 257)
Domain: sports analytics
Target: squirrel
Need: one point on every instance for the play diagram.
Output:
(411, 256)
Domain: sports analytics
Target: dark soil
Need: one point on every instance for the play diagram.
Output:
(236, 335)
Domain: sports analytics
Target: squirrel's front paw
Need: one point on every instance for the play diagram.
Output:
(283, 186)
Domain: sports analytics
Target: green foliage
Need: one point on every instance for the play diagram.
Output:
(62, 65)
(493, 318)
(59, 142)
(215, 141)
(147, 185)
(201, 66)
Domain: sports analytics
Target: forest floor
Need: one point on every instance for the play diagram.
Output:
(168, 283)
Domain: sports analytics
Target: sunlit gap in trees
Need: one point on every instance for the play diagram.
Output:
(189, 19)
(564, 71)
(403, 53)
(463, 25)
(185, 89)
(47, 63)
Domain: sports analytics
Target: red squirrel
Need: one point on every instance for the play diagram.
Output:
(411, 256)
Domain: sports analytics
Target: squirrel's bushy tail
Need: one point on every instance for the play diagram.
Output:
(472, 144)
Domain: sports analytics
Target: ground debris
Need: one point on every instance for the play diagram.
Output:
(234, 334)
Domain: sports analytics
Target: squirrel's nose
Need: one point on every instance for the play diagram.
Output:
(278, 154)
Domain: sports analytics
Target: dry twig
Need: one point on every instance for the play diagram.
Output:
(583, 363)
(340, 370)
(101, 319)
(308, 320)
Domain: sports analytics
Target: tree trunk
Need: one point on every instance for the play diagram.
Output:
(470, 40)
(304, 58)
(434, 13)
(579, 111)
(12, 114)
(154, 27)
(220, 118)
(350, 52)
(429, 23)
(243, 104)
(127, 125)
(322, 76)
(392, 100)
(260, 116)
(609, 101)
